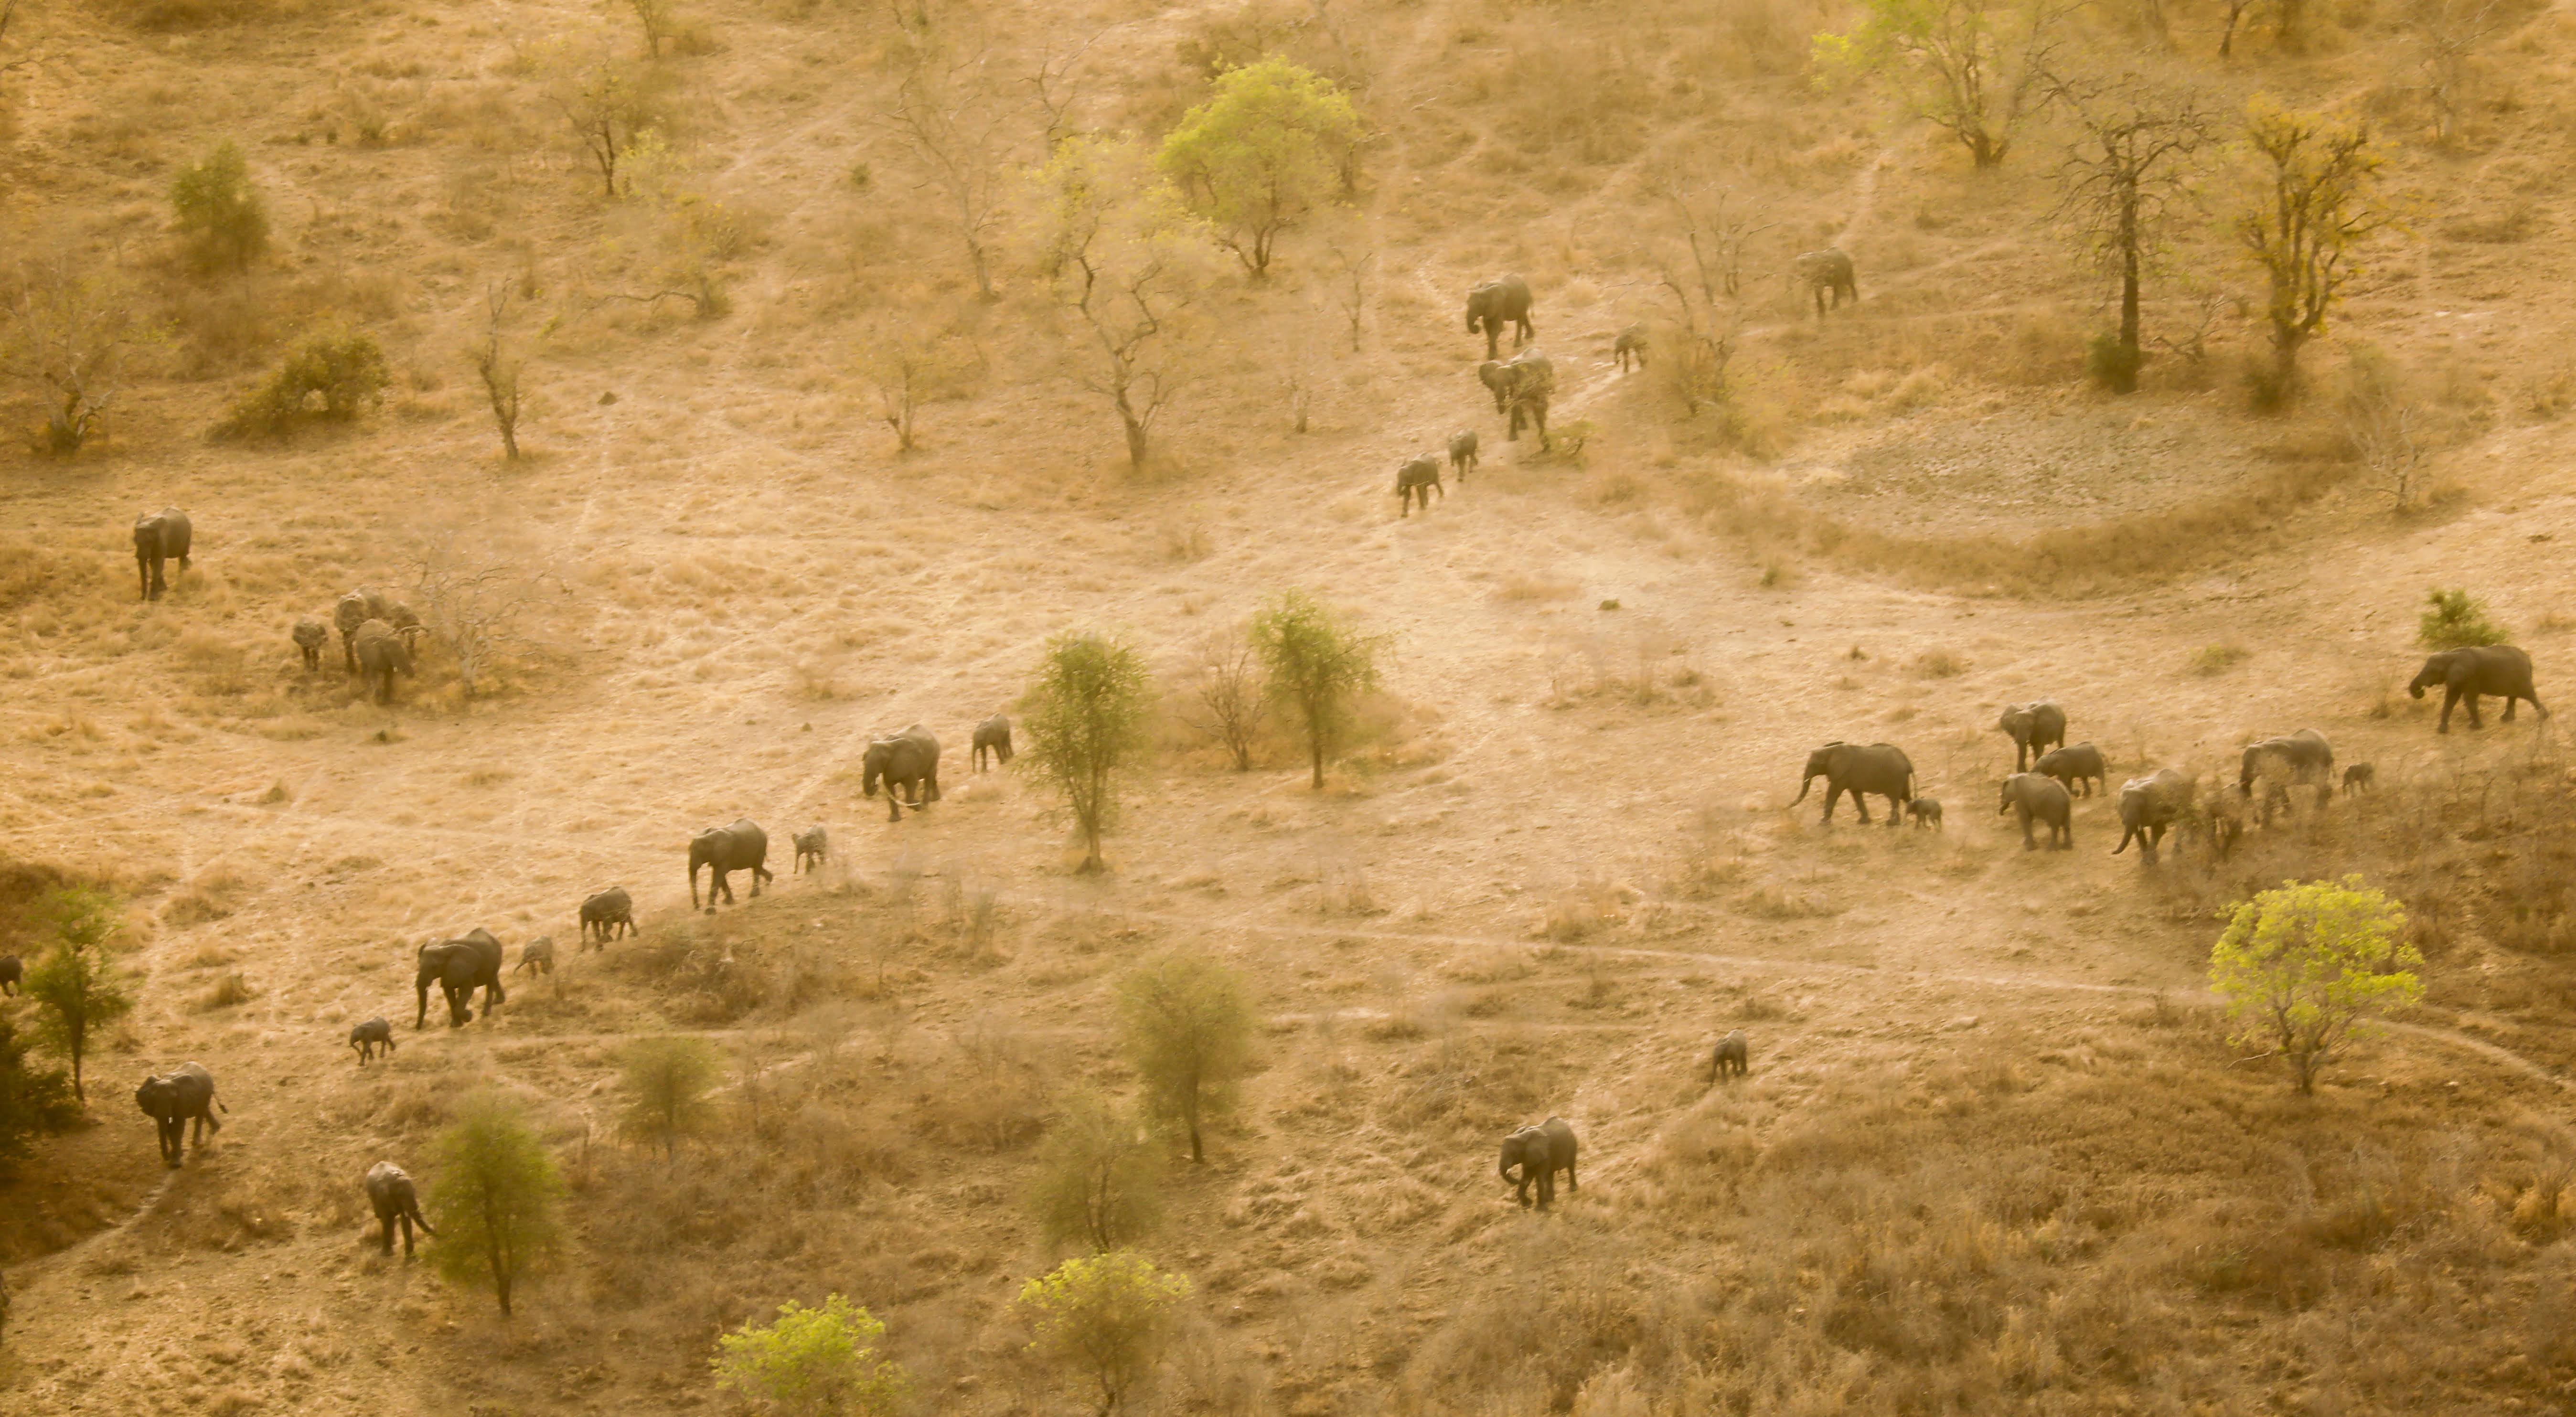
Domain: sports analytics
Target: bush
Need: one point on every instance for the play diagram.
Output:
(1317, 663)
(2452, 619)
(1108, 1315)
(346, 369)
(220, 218)
(667, 1080)
(77, 989)
(1185, 1027)
(1086, 719)
(1097, 1180)
(495, 1199)
(2302, 966)
(33, 1101)
(814, 1363)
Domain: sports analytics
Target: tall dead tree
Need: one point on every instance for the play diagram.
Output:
(1699, 262)
(2123, 172)
(948, 112)
(498, 365)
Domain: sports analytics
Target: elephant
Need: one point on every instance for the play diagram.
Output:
(11, 971)
(606, 913)
(367, 1037)
(1490, 374)
(537, 954)
(459, 967)
(173, 1099)
(1528, 381)
(1497, 303)
(2500, 670)
(391, 1194)
(2150, 804)
(723, 851)
(2081, 763)
(1418, 479)
(158, 537)
(1462, 453)
(382, 652)
(2304, 756)
(353, 610)
(1729, 1059)
(1924, 812)
(2044, 798)
(1829, 269)
(1540, 1152)
(908, 759)
(2035, 728)
(1880, 768)
(1631, 344)
(2359, 778)
(310, 636)
(812, 844)
(993, 738)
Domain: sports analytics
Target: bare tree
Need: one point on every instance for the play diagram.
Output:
(660, 20)
(480, 583)
(1700, 265)
(606, 102)
(2450, 32)
(72, 317)
(1975, 69)
(909, 361)
(2388, 433)
(947, 111)
(1353, 273)
(2121, 174)
(499, 365)
(1058, 84)
(1227, 694)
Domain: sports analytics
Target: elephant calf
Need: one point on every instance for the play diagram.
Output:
(2079, 764)
(2044, 798)
(811, 846)
(2359, 778)
(1540, 1152)
(367, 1037)
(1728, 1060)
(1417, 479)
(1462, 453)
(1924, 812)
(993, 739)
(159, 538)
(396, 1202)
(537, 954)
(310, 636)
(606, 912)
(1631, 344)
(173, 1099)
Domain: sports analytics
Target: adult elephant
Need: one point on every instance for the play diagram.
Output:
(1529, 381)
(1829, 269)
(459, 967)
(2477, 670)
(605, 913)
(383, 652)
(1497, 303)
(353, 610)
(909, 759)
(2035, 728)
(2287, 761)
(173, 1099)
(1878, 768)
(158, 537)
(2043, 799)
(1539, 1152)
(723, 851)
(2081, 763)
(2149, 805)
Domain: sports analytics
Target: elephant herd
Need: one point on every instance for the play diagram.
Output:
(2048, 773)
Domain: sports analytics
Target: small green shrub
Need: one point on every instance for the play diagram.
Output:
(346, 369)
(219, 215)
(2453, 619)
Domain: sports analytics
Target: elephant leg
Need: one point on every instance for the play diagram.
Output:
(2450, 698)
(2028, 842)
(894, 809)
(2508, 708)
(1569, 1174)
(2474, 722)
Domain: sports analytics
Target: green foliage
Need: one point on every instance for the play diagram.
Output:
(33, 1101)
(1260, 155)
(667, 1080)
(220, 218)
(2305, 966)
(2452, 619)
(1317, 664)
(1087, 720)
(1975, 70)
(1098, 1180)
(814, 1363)
(2311, 194)
(1107, 1316)
(77, 988)
(496, 1199)
(1186, 1028)
(345, 367)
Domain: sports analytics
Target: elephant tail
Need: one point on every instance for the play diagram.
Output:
(219, 1102)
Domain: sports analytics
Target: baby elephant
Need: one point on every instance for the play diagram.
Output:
(310, 636)
(992, 739)
(2043, 798)
(2358, 778)
(2079, 764)
(1924, 812)
(1539, 1152)
(390, 1192)
(811, 844)
(1631, 345)
(1462, 454)
(367, 1037)
(537, 954)
(1728, 1061)
(1418, 479)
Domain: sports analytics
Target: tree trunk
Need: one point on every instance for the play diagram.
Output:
(1315, 741)
(1190, 1109)
(2125, 379)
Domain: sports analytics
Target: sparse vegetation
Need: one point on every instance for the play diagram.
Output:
(814, 1363)
(221, 220)
(2453, 618)
(1087, 719)
(1099, 1177)
(2305, 967)
(1186, 1028)
(494, 1199)
(1317, 663)
(667, 1081)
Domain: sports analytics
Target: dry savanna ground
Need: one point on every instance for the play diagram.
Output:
(1994, 1152)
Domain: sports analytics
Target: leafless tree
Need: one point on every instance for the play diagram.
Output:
(660, 20)
(2450, 32)
(606, 101)
(2388, 433)
(499, 365)
(947, 111)
(481, 584)
(1126, 261)
(1058, 84)
(910, 361)
(1700, 265)
(1353, 271)
(1227, 693)
(72, 318)
(2125, 168)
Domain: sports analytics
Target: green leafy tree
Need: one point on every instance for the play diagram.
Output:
(2313, 195)
(2453, 619)
(1086, 720)
(346, 368)
(1106, 1316)
(1186, 1028)
(33, 1101)
(1976, 70)
(2305, 967)
(220, 217)
(667, 1081)
(1317, 664)
(814, 1363)
(77, 987)
(1261, 154)
(1099, 1181)
(497, 1199)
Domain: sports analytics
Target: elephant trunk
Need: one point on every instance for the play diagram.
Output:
(1804, 785)
(2128, 834)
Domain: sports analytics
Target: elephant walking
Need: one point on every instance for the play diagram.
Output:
(1527, 383)
(2079, 764)
(537, 954)
(1462, 453)
(1924, 812)
(310, 636)
(1417, 480)
(1631, 344)
(1881, 769)
(2035, 728)
(2149, 805)
(383, 652)
(370, 1036)
(1540, 1152)
(459, 967)
(1729, 1060)
(1497, 303)
(2467, 673)
(2359, 778)
(159, 537)
(353, 610)
(2285, 762)
(609, 913)
(1829, 269)
(993, 739)
(395, 1201)
(909, 759)
(812, 845)
(2043, 798)
(723, 851)
(173, 1099)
